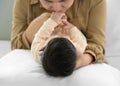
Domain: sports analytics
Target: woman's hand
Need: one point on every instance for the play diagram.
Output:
(83, 60)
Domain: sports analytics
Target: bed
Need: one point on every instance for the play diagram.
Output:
(5, 48)
(18, 68)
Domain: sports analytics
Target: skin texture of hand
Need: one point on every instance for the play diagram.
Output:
(83, 60)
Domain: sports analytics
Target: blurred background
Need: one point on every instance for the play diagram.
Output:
(5, 18)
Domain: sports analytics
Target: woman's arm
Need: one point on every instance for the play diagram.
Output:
(95, 32)
(19, 25)
(95, 35)
(22, 34)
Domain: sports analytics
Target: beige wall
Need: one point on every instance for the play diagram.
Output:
(5, 18)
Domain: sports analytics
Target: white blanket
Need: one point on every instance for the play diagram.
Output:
(18, 68)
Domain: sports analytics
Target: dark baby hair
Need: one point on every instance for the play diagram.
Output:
(59, 57)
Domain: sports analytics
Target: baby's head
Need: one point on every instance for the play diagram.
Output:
(59, 57)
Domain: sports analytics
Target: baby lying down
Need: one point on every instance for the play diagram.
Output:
(58, 45)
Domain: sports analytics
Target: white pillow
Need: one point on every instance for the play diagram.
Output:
(18, 68)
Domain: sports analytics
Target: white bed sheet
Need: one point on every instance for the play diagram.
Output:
(18, 68)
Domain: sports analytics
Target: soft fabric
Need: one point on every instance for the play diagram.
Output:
(18, 68)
